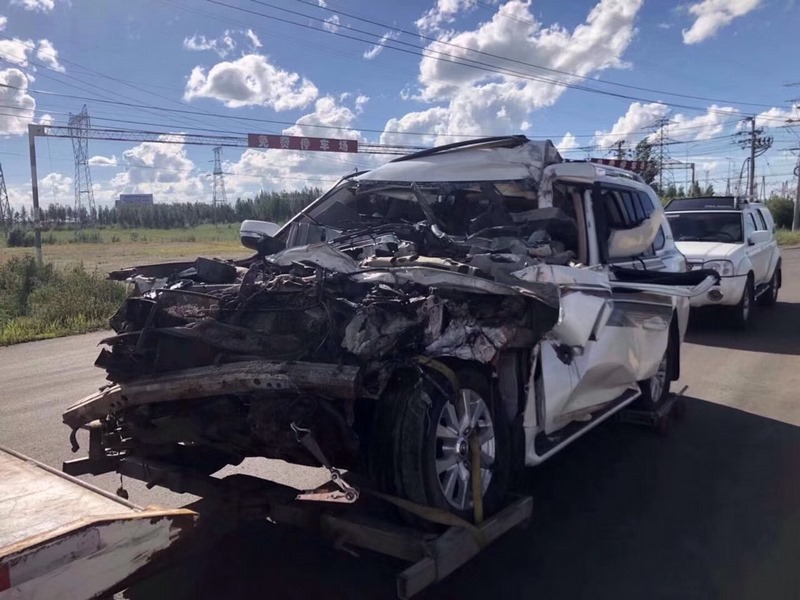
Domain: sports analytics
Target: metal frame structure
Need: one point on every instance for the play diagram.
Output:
(6, 215)
(80, 125)
(86, 132)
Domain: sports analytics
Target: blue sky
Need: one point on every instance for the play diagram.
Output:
(355, 69)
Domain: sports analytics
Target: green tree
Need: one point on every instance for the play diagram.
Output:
(644, 153)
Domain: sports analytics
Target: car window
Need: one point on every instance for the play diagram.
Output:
(660, 240)
(765, 214)
(760, 222)
(647, 204)
(749, 225)
(696, 226)
(623, 208)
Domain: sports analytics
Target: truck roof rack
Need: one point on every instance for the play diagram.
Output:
(501, 141)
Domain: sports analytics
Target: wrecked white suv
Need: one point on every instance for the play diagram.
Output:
(429, 325)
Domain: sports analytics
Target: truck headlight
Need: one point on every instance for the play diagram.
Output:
(723, 267)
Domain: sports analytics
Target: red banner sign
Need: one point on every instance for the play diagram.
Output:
(290, 142)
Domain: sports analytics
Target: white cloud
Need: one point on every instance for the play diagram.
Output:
(636, 124)
(432, 121)
(47, 54)
(337, 121)
(713, 15)
(701, 127)
(251, 81)
(57, 187)
(224, 45)
(3, 22)
(44, 6)
(103, 161)
(332, 24)
(629, 127)
(46, 119)
(775, 117)
(163, 170)
(475, 101)
(19, 103)
(375, 50)
(567, 143)
(16, 51)
(361, 102)
(595, 45)
(445, 11)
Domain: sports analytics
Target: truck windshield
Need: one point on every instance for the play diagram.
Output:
(706, 226)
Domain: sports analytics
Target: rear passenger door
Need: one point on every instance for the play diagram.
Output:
(761, 253)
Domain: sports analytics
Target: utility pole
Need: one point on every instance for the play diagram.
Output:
(6, 216)
(659, 128)
(758, 145)
(620, 150)
(796, 215)
(219, 196)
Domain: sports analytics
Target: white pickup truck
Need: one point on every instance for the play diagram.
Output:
(735, 238)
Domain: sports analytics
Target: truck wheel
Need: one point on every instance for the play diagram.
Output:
(656, 389)
(770, 296)
(433, 454)
(742, 312)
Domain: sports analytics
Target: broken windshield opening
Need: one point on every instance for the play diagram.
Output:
(459, 210)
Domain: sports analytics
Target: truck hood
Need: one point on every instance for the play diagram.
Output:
(696, 251)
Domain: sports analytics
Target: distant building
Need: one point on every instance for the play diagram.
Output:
(134, 200)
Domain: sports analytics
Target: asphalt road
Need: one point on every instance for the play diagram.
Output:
(710, 511)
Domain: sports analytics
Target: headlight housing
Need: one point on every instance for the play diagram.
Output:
(723, 267)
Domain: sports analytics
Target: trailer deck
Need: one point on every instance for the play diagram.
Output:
(63, 539)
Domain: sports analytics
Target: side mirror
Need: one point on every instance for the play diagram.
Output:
(253, 232)
(759, 237)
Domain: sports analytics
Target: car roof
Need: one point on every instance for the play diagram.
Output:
(487, 159)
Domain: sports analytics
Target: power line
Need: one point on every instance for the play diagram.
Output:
(512, 60)
(450, 58)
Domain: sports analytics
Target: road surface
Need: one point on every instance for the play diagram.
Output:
(711, 511)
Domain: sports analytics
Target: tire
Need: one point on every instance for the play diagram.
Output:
(770, 296)
(432, 452)
(655, 390)
(743, 311)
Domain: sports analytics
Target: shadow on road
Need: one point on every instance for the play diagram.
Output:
(711, 511)
(774, 330)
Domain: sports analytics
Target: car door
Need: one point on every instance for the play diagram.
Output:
(758, 253)
(771, 248)
(609, 336)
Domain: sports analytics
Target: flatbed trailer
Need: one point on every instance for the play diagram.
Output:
(63, 539)
(370, 524)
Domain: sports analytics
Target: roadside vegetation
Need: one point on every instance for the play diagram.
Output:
(43, 301)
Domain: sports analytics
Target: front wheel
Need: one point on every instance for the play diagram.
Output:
(655, 390)
(440, 435)
(742, 311)
(770, 296)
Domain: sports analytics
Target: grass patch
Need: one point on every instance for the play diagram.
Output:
(39, 302)
(788, 238)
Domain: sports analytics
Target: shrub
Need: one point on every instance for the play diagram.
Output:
(76, 295)
(86, 237)
(38, 302)
(782, 210)
(19, 238)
